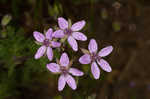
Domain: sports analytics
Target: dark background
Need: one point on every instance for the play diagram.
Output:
(125, 24)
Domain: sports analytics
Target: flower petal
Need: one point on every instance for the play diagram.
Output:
(63, 23)
(104, 65)
(85, 59)
(38, 36)
(49, 34)
(73, 43)
(95, 70)
(105, 51)
(40, 52)
(71, 82)
(50, 53)
(92, 46)
(79, 36)
(56, 44)
(78, 25)
(58, 34)
(53, 67)
(61, 82)
(64, 59)
(75, 72)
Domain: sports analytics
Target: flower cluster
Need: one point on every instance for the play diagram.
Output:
(71, 33)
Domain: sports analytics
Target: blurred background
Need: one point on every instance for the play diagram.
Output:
(121, 23)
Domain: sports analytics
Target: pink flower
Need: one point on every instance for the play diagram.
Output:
(63, 67)
(71, 32)
(93, 57)
(47, 44)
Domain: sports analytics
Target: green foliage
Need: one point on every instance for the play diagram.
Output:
(55, 10)
(16, 7)
(104, 13)
(58, 97)
(116, 26)
(16, 62)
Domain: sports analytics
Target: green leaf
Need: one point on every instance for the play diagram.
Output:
(116, 26)
(6, 19)
(58, 97)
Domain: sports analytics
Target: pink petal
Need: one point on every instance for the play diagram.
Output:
(56, 44)
(40, 52)
(50, 53)
(105, 51)
(75, 72)
(49, 33)
(61, 82)
(71, 82)
(85, 59)
(63, 23)
(78, 25)
(104, 65)
(92, 46)
(53, 67)
(58, 34)
(38, 36)
(95, 70)
(79, 36)
(73, 43)
(64, 59)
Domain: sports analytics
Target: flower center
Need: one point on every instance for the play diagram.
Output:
(46, 42)
(94, 57)
(68, 31)
(64, 70)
